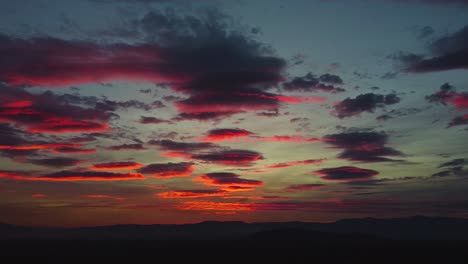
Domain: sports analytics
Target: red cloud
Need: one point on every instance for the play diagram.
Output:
(221, 134)
(38, 195)
(215, 206)
(38, 146)
(168, 170)
(48, 112)
(460, 100)
(117, 166)
(190, 194)
(66, 125)
(228, 181)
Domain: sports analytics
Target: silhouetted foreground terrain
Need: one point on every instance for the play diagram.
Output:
(351, 238)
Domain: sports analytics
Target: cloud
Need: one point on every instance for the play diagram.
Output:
(447, 94)
(295, 163)
(446, 53)
(330, 78)
(228, 181)
(183, 194)
(363, 146)
(288, 138)
(203, 116)
(312, 83)
(104, 196)
(68, 175)
(125, 165)
(457, 171)
(48, 113)
(182, 149)
(72, 150)
(153, 120)
(15, 142)
(221, 134)
(304, 187)
(347, 173)
(459, 121)
(232, 157)
(55, 162)
(215, 206)
(187, 52)
(424, 32)
(135, 146)
(168, 170)
(364, 103)
(454, 163)
(398, 113)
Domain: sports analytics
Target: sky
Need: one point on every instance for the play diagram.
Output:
(172, 112)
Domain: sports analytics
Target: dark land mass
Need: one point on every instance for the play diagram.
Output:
(351, 239)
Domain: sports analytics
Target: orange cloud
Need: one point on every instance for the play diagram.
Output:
(130, 165)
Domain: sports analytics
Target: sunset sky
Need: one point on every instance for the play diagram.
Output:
(159, 111)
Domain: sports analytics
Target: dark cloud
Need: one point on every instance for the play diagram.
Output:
(203, 116)
(364, 103)
(304, 187)
(15, 142)
(268, 114)
(187, 147)
(456, 171)
(367, 146)
(89, 176)
(312, 83)
(406, 58)
(168, 170)
(153, 120)
(233, 157)
(71, 175)
(387, 76)
(445, 92)
(135, 146)
(55, 162)
(398, 113)
(123, 165)
(454, 163)
(48, 113)
(446, 53)
(448, 94)
(106, 105)
(295, 163)
(71, 150)
(424, 32)
(331, 78)
(346, 174)
(454, 167)
(188, 52)
(229, 181)
(221, 134)
(459, 121)
(131, 1)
